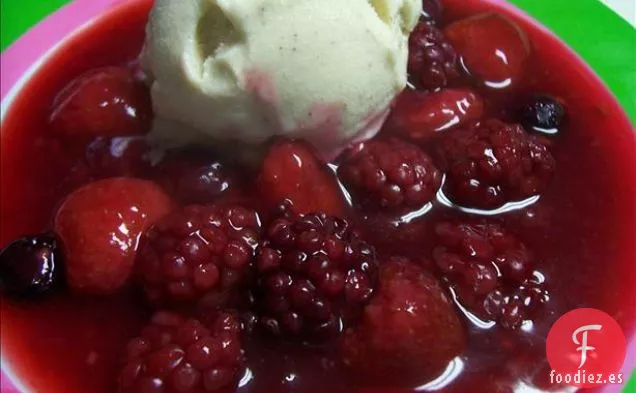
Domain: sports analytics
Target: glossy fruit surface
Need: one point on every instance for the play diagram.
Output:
(491, 163)
(198, 253)
(421, 116)
(175, 354)
(492, 48)
(408, 333)
(100, 225)
(105, 102)
(29, 266)
(391, 174)
(314, 275)
(291, 172)
(433, 62)
(577, 221)
(490, 271)
(542, 114)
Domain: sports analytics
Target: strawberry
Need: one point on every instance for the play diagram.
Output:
(104, 102)
(290, 171)
(100, 225)
(408, 333)
(419, 116)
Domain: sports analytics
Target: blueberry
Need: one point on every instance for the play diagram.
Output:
(542, 114)
(28, 266)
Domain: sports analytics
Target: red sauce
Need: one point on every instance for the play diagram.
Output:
(581, 230)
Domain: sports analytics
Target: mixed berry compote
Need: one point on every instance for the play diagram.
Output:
(499, 195)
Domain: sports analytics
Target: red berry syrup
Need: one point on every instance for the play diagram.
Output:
(580, 231)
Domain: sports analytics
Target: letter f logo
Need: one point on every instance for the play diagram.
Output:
(584, 348)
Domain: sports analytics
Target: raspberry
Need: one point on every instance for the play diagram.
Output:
(314, 274)
(408, 333)
(433, 62)
(491, 163)
(200, 253)
(99, 227)
(542, 114)
(179, 355)
(490, 271)
(29, 266)
(391, 174)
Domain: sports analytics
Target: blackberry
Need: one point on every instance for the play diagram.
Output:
(433, 62)
(314, 275)
(490, 271)
(492, 162)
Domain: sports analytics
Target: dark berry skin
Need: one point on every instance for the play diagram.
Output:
(28, 266)
(314, 275)
(491, 163)
(542, 114)
(433, 62)
(489, 270)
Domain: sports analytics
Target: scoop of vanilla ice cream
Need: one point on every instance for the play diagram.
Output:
(322, 70)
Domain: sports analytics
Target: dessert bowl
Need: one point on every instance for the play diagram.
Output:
(74, 342)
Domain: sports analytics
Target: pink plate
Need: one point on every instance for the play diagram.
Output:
(18, 62)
